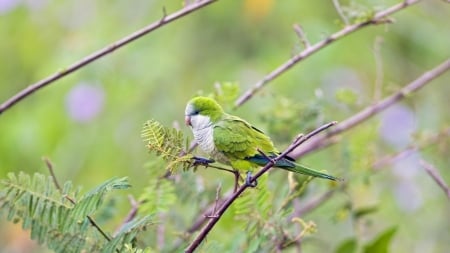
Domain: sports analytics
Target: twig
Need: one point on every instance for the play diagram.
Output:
(204, 232)
(52, 173)
(339, 10)
(389, 159)
(319, 45)
(102, 52)
(314, 203)
(131, 214)
(424, 79)
(216, 202)
(433, 172)
(378, 164)
(301, 35)
(57, 185)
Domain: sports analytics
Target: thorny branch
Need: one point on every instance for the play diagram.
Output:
(433, 172)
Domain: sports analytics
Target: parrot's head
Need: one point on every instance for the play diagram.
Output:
(201, 112)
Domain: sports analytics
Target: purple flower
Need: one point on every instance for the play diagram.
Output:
(397, 125)
(84, 102)
(7, 5)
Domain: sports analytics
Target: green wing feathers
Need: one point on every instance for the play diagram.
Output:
(237, 139)
(239, 142)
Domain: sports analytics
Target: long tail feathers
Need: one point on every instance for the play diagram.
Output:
(309, 172)
(290, 165)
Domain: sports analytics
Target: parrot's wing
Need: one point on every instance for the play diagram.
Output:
(237, 139)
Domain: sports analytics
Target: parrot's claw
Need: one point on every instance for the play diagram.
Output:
(201, 161)
(248, 180)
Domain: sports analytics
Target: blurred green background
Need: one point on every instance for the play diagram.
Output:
(88, 123)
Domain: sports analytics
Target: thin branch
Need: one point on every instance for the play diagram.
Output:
(49, 165)
(339, 10)
(102, 52)
(131, 214)
(389, 159)
(205, 231)
(216, 202)
(368, 112)
(314, 203)
(376, 19)
(433, 172)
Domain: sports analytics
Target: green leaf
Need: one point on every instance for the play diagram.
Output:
(226, 93)
(382, 242)
(363, 211)
(347, 246)
(127, 234)
(167, 143)
(47, 211)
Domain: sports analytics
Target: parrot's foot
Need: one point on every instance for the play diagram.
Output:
(201, 161)
(248, 180)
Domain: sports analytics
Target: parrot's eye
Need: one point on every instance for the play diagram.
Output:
(195, 112)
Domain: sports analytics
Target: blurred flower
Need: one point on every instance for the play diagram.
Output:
(84, 102)
(397, 125)
(7, 5)
(257, 9)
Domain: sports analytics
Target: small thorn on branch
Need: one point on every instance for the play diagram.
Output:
(52, 173)
(164, 14)
(302, 36)
(216, 202)
(339, 10)
(433, 172)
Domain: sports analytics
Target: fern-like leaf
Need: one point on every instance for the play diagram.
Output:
(53, 219)
(167, 143)
(158, 196)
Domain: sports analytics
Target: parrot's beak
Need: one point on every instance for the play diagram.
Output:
(187, 120)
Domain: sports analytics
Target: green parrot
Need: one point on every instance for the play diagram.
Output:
(233, 141)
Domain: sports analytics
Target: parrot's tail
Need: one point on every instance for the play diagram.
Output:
(301, 169)
(290, 165)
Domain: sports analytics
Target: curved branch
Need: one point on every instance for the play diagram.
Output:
(102, 52)
(379, 17)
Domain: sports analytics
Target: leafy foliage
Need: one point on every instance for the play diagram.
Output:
(167, 143)
(226, 93)
(265, 218)
(56, 219)
(158, 196)
(286, 117)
